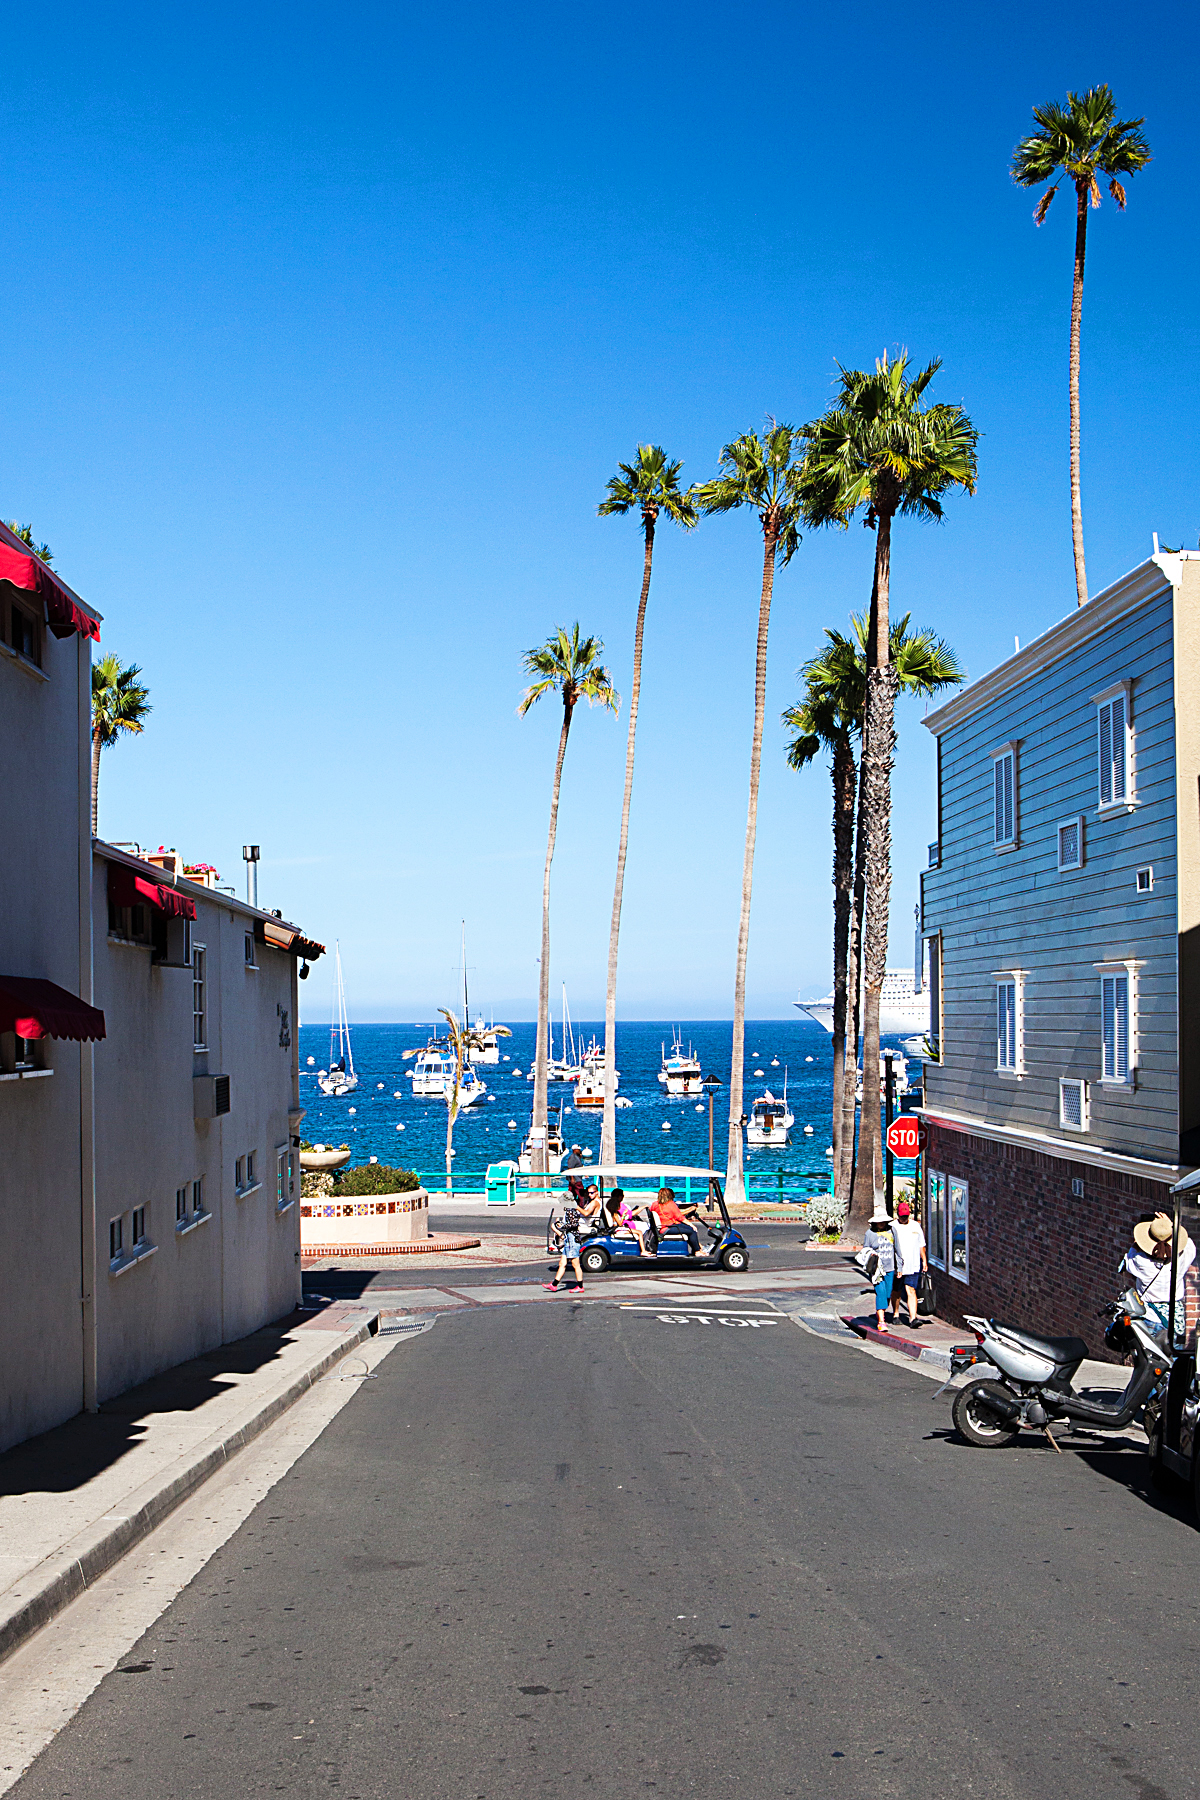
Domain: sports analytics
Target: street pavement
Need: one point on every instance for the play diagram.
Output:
(604, 1547)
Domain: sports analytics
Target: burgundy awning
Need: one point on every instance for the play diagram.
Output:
(30, 572)
(127, 888)
(35, 1009)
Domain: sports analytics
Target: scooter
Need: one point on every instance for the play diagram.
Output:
(1035, 1378)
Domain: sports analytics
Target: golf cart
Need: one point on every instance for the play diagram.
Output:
(604, 1246)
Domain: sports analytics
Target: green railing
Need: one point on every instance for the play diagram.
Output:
(779, 1187)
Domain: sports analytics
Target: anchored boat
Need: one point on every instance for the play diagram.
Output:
(339, 1078)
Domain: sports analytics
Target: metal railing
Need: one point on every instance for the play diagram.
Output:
(779, 1187)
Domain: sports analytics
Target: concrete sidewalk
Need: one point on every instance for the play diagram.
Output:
(75, 1499)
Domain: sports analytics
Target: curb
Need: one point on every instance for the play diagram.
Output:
(926, 1353)
(65, 1575)
(426, 1246)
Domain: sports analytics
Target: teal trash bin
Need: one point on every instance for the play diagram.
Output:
(502, 1184)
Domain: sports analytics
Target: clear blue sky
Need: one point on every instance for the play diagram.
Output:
(324, 328)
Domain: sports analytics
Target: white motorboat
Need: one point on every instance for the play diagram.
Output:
(339, 1078)
(770, 1120)
(432, 1075)
(902, 1011)
(680, 1073)
(556, 1149)
(589, 1089)
(484, 1041)
(899, 1076)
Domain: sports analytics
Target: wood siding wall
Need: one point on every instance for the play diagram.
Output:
(1014, 909)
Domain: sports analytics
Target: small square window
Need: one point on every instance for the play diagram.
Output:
(138, 1230)
(1145, 880)
(180, 1204)
(1070, 844)
(198, 1195)
(116, 1238)
(1072, 1104)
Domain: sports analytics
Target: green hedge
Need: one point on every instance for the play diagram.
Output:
(374, 1178)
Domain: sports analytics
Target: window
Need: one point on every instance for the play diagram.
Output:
(283, 1177)
(116, 1239)
(198, 1196)
(181, 1204)
(935, 1218)
(138, 1231)
(933, 946)
(23, 634)
(1115, 1033)
(1010, 1021)
(1112, 739)
(249, 951)
(1004, 782)
(131, 924)
(239, 1174)
(959, 1208)
(1145, 880)
(1072, 1104)
(199, 998)
(935, 854)
(1070, 844)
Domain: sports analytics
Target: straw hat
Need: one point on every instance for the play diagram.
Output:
(881, 1215)
(1150, 1234)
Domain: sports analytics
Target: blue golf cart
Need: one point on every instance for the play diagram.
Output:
(604, 1245)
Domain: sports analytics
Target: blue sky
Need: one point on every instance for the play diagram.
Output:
(325, 327)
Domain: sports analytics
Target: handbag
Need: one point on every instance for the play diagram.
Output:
(926, 1298)
(868, 1262)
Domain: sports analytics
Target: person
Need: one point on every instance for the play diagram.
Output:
(1148, 1261)
(574, 1160)
(624, 1217)
(911, 1259)
(669, 1217)
(591, 1208)
(566, 1236)
(878, 1237)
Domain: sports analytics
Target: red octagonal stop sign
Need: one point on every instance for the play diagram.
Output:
(905, 1136)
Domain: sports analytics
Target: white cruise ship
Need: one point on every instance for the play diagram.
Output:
(902, 1012)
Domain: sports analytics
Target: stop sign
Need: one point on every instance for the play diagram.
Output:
(905, 1136)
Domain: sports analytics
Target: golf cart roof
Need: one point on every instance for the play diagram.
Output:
(646, 1172)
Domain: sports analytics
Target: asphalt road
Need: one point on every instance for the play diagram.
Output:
(575, 1549)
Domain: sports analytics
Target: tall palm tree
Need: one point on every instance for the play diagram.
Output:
(1083, 139)
(879, 448)
(649, 486)
(830, 717)
(120, 703)
(569, 666)
(761, 472)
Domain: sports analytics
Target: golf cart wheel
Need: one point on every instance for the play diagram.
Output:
(977, 1423)
(594, 1261)
(735, 1259)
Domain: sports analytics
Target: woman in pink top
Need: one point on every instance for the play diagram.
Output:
(624, 1215)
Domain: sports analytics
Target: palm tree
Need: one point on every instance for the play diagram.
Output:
(1084, 139)
(877, 447)
(43, 552)
(458, 1039)
(830, 716)
(119, 703)
(760, 472)
(570, 666)
(650, 486)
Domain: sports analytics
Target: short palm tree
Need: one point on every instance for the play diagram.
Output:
(1079, 142)
(880, 448)
(830, 717)
(650, 487)
(458, 1042)
(120, 703)
(569, 666)
(762, 472)
(43, 552)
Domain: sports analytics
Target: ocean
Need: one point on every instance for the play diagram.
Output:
(382, 1119)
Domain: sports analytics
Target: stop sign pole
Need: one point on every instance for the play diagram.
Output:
(889, 1097)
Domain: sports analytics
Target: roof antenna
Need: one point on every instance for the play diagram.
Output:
(1154, 535)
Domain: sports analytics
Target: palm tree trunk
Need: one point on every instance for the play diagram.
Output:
(845, 783)
(878, 745)
(844, 1180)
(537, 1161)
(608, 1125)
(96, 747)
(734, 1183)
(1081, 199)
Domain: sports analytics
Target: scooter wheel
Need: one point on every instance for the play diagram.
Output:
(976, 1422)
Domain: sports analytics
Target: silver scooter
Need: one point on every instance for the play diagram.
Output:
(1035, 1373)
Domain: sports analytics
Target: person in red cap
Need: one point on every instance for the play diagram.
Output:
(911, 1258)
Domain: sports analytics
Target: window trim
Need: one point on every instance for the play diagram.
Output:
(1117, 690)
(1003, 753)
(200, 983)
(1139, 890)
(1107, 971)
(1014, 978)
(956, 1274)
(941, 1209)
(285, 1178)
(1066, 868)
(933, 942)
(1084, 1087)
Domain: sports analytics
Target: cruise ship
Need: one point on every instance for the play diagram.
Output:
(902, 1011)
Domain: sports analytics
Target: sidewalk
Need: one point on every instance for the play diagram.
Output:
(75, 1499)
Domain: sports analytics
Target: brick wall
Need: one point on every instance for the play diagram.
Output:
(1039, 1256)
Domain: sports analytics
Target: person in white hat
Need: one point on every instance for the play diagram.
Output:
(1148, 1261)
(878, 1237)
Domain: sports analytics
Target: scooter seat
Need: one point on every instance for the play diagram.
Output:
(1060, 1350)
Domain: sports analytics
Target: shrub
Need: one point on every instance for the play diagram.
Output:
(374, 1178)
(315, 1184)
(826, 1216)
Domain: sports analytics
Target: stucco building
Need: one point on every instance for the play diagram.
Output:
(1061, 918)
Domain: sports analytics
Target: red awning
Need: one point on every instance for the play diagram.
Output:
(36, 1009)
(62, 610)
(127, 888)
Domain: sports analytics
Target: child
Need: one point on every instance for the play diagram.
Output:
(566, 1236)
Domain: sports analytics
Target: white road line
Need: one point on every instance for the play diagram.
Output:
(726, 1312)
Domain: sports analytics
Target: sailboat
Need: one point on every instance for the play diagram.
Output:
(470, 1087)
(339, 1078)
(566, 1067)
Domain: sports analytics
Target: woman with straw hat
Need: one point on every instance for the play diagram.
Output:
(1149, 1263)
(878, 1237)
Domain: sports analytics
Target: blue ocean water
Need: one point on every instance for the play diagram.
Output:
(370, 1119)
